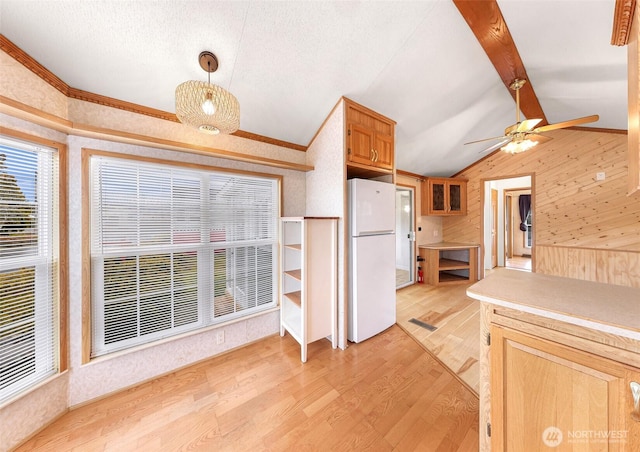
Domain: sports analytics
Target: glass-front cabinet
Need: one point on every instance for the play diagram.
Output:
(444, 196)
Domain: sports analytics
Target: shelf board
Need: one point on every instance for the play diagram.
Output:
(451, 278)
(450, 264)
(294, 246)
(365, 171)
(295, 297)
(296, 274)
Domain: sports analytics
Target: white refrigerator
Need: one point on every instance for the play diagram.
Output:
(372, 257)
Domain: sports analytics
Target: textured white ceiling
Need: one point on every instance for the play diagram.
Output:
(289, 62)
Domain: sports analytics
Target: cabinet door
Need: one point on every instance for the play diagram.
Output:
(383, 146)
(454, 194)
(443, 196)
(545, 395)
(437, 196)
(360, 145)
(457, 198)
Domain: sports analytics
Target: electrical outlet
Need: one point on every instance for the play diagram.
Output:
(220, 337)
(435, 233)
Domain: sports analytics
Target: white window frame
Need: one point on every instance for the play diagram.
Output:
(205, 237)
(528, 234)
(44, 259)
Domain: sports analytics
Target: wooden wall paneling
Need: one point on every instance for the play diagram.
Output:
(621, 268)
(569, 262)
(572, 209)
(607, 266)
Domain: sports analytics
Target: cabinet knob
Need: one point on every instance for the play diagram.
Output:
(635, 392)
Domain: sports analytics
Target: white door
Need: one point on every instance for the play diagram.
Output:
(405, 237)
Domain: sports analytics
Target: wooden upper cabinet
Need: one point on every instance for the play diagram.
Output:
(370, 138)
(384, 147)
(444, 196)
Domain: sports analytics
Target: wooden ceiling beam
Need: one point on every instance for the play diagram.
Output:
(488, 25)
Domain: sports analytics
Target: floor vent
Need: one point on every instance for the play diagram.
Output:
(423, 324)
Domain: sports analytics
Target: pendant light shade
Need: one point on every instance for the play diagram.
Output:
(207, 107)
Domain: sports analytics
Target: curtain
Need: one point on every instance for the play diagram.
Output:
(525, 207)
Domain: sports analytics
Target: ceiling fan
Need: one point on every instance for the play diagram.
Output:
(524, 135)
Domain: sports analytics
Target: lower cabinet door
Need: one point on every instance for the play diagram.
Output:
(545, 395)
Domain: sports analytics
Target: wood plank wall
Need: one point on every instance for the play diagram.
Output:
(583, 228)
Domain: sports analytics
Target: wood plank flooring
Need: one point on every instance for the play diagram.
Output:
(518, 262)
(385, 394)
(456, 341)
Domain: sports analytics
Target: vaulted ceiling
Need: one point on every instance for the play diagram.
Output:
(288, 63)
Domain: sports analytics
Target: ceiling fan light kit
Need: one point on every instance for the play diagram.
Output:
(523, 135)
(205, 106)
(516, 147)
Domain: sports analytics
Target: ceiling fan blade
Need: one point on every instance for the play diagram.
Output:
(527, 125)
(496, 146)
(564, 124)
(486, 139)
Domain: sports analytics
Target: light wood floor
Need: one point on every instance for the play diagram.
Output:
(456, 341)
(384, 394)
(518, 262)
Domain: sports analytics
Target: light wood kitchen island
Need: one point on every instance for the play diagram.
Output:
(558, 360)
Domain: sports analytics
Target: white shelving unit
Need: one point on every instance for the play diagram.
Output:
(308, 286)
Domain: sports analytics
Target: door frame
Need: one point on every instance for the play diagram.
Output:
(412, 258)
(494, 228)
(484, 216)
(508, 194)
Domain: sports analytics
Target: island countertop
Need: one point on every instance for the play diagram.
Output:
(602, 307)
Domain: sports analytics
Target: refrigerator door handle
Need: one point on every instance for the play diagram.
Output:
(370, 233)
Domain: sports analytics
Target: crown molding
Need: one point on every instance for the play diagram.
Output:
(622, 20)
(28, 113)
(27, 61)
(45, 74)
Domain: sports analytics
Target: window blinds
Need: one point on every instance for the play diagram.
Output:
(29, 229)
(176, 249)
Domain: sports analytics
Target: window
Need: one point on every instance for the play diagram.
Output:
(528, 223)
(29, 261)
(175, 249)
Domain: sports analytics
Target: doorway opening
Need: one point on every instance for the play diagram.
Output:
(405, 236)
(508, 226)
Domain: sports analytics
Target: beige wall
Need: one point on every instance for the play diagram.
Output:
(573, 210)
(325, 196)
(23, 416)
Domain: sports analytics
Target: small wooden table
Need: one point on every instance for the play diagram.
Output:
(450, 262)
